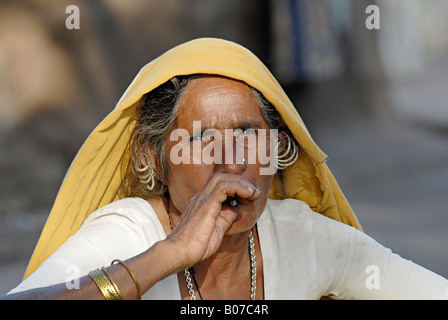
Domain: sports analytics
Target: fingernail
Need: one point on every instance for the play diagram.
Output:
(253, 190)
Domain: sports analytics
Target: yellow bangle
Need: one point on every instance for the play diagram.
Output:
(105, 284)
(137, 284)
(117, 292)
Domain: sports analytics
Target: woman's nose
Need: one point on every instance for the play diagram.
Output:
(233, 158)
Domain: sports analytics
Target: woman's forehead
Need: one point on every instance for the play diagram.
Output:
(218, 101)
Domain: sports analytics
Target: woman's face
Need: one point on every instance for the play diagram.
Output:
(213, 105)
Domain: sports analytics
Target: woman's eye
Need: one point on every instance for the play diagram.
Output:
(203, 138)
(246, 132)
(250, 131)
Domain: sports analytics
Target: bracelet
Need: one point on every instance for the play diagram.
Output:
(137, 284)
(118, 293)
(105, 284)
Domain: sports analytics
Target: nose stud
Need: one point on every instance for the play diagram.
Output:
(244, 162)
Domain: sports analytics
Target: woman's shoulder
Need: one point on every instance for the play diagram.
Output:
(288, 209)
(128, 208)
(296, 213)
(133, 214)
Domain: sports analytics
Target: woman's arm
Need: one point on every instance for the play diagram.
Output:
(364, 269)
(161, 257)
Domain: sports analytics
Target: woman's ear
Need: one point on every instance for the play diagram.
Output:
(146, 156)
(282, 141)
(287, 151)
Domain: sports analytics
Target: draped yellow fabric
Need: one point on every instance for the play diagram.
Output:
(94, 178)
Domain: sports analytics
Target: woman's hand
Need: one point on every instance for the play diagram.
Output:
(203, 224)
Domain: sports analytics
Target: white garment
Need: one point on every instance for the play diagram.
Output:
(305, 255)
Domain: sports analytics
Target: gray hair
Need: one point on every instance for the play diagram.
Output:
(155, 120)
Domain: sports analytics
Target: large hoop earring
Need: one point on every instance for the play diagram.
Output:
(146, 176)
(289, 154)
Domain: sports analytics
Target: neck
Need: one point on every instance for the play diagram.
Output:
(230, 255)
(230, 265)
(233, 249)
(224, 275)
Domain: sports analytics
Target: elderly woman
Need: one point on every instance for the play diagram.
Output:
(204, 183)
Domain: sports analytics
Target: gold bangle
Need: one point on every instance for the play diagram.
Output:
(137, 284)
(106, 285)
(118, 294)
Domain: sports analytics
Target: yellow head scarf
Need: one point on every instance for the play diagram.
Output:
(95, 176)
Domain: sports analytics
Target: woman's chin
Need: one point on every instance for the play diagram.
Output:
(244, 221)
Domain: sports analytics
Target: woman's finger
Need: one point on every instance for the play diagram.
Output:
(222, 178)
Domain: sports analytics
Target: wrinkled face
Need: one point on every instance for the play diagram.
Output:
(220, 120)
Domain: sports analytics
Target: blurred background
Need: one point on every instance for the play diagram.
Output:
(376, 101)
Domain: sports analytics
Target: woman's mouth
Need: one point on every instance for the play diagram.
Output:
(235, 202)
(231, 201)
